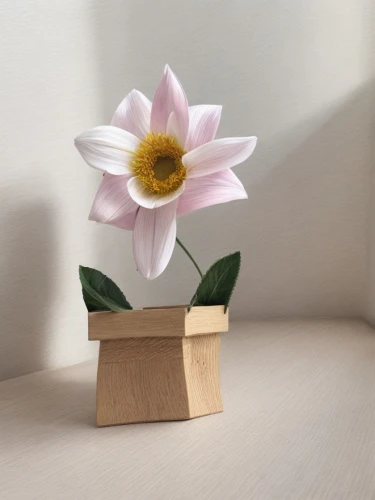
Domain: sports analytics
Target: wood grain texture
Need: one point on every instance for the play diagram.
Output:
(158, 322)
(299, 424)
(201, 363)
(152, 379)
(141, 380)
(206, 319)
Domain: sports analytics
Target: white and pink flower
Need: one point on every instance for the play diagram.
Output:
(161, 160)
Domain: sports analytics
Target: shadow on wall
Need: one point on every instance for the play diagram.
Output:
(309, 216)
(27, 289)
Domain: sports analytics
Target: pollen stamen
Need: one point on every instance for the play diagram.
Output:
(157, 164)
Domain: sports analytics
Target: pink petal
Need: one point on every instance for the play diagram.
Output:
(218, 155)
(149, 200)
(133, 114)
(203, 123)
(170, 98)
(125, 221)
(154, 238)
(113, 204)
(213, 189)
(107, 148)
(172, 125)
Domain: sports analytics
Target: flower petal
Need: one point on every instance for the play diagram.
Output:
(149, 200)
(133, 114)
(170, 97)
(172, 125)
(218, 155)
(107, 148)
(113, 202)
(203, 123)
(154, 238)
(126, 221)
(213, 189)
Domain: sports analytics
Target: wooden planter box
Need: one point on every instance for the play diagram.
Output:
(157, 364)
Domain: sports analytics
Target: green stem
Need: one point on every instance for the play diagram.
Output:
(190, 256)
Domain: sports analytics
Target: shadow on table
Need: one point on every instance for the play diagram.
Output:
(55, 401)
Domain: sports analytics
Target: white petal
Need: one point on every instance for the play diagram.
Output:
(107, 148)
(149, 200)
(218, 155)
(170, 97)
(172, 125)
(133, 114)
(112, 201)
(126, 221)
(213, 189)
(203, 123)
(154, 239)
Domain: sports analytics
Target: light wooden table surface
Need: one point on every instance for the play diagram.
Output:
(298, 424)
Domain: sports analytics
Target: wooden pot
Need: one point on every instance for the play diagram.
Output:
(157, 364)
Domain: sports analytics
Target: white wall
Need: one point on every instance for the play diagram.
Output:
(296, 74)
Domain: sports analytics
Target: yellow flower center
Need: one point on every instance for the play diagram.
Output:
(157, 163)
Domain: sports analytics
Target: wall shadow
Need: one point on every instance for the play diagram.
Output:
(27, 288)
(309, 217)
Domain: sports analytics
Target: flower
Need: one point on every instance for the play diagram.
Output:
(161, 160)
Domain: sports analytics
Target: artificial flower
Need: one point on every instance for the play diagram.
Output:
(161, 160)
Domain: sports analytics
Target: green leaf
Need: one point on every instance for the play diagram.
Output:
(218, 283)
(101, 293)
